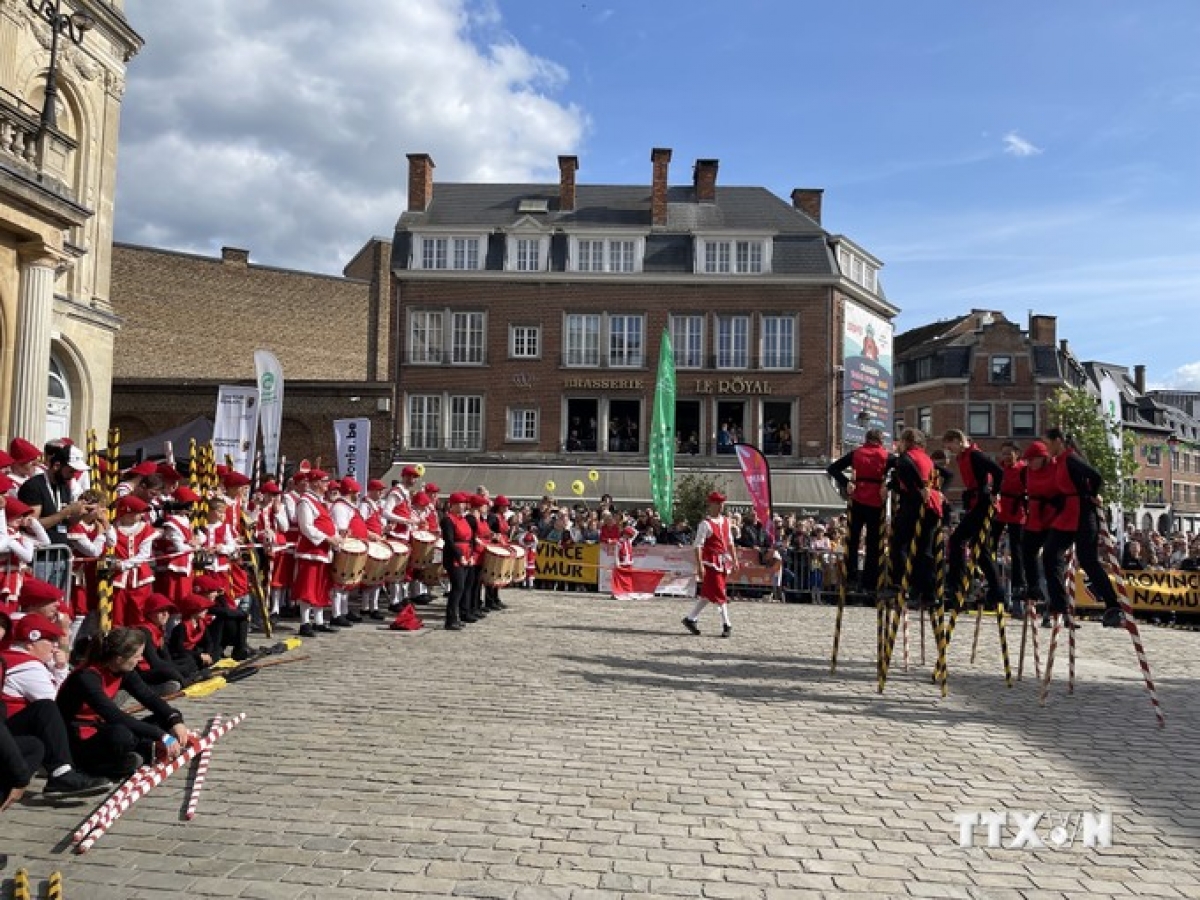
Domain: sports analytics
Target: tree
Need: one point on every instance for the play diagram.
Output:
(691, 496)
(1079, 416)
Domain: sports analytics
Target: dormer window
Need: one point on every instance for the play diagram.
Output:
(858, 268)
(528, 252)
(606, 254)
(733, 256)
(450, 252)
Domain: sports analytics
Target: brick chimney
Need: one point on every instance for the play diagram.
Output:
(235, 256)
(1043, 330)
(661, 158)
(808, 201)
(420, 181)
(567, 167)
(704, 179)
(1139, 379)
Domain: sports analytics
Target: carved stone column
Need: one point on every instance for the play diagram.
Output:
(31, 369)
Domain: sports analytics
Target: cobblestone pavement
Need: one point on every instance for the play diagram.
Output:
(581, 747)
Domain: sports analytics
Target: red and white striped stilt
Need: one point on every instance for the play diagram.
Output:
(201, 774)
(904, 632)
(1112, 564)
(1050, 658)
(111, 800)
(1070, 586)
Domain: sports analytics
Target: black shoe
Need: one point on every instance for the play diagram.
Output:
(325, 629)
(395, 607)
(1047, 622)
(129, 763)
(306, 630)
(377, 615)
(242, 653)
(422, 600)
(340, 622)
(354, 618)
(492, 607)
(1113, 617)
(727, 631)
(480, 613)
(454, 626)
(76, 784)
(691, 625)
(500, 604)
(469, 620)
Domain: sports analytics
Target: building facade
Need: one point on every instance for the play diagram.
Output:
(57, 184)
(529, 318)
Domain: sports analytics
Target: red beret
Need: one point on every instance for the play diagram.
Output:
(35, 592)
(478, 500)
(300, 476)
(460, 497)
(22, 451)
(270, 488)
(235, 480)
(318, 475)
(350, 486)
(192, 604)
(716, 497)
(375, 485)
(431, 488)
(410, 472)
(421, 498)
(501, 501)
(35, 628)
(5, 459)
(14, 508)
(131, 504)
(221, 470)
(143, 468)
(6, 483)
(184, 494)
(1036, 450)
(157, 603)
(168, 472)
(207, 584)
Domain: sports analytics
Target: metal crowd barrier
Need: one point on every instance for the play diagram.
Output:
(53, 564)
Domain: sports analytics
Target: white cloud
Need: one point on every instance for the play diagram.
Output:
(1185, 378)
(282, 125)
(1015, 145)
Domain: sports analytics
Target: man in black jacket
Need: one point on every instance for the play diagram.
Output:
(981, 477)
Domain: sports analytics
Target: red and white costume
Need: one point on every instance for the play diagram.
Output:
(88, 542)
(314, 553)
(174, 579)
(715, 541)
(133, 547)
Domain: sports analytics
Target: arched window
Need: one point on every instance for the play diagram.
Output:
(58, 402)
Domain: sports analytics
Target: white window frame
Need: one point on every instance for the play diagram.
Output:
(980, 409)
(428, 352)
(524, 424)
(688, 330)
(430, 417)
(449, 252)
(588, 347)
(728, 356)
(737, 255)
(463, 433)
(472, 351)
(618, 330)
(519, 339)
(857, 268)
(606, 254)
(779, 356)
(520, 248)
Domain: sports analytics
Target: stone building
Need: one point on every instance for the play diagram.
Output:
(57, 180)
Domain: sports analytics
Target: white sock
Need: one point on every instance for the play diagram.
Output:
(305, 614)
(699, 608)
(318, 615)
(276, 598)
(724, 607)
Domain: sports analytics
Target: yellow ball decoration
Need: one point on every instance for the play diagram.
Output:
(420, 470)
(593, 476)
(577, 488)
(550, 487)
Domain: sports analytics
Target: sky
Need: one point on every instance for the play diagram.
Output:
(1023, 156)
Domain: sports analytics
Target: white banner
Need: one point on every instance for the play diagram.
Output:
(270, 389)
(352, 443)
(235, 429)
(678, 564)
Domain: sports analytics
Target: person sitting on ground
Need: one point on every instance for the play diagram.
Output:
(104, 739)
(157, 668)
(231, 625)
(192, 643)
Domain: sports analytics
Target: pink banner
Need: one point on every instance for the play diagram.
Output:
(757, 475)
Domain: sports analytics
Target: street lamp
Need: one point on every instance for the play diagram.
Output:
(74, 25)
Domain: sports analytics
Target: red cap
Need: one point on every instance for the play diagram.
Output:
(501, 502)
(207, 584)
(5, 459)
(35, 592)
(478, 501)
(221, 470)
(410, 472)
(269, 488)
(629, 531)
(235, 480)
(192, 604)
(420, 498)
(460, 497)
(1036, 450)
(350, 486)
(35, 627)
(22, 451)
(131, 504)
(318, 475)
(301, 476)
(6, 483)
(184, 494)
(101, 463)
(14, 508)
(169, 473)
(156, 603)
(375, 485)
(431, 488)
(143, 468)
(716, 497)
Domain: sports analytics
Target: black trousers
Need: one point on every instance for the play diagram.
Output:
(971, 529)
(42, 720)
(102, 753)
(458, 587)
(1087, 556)
(466, 605)
(29, 755)
(476, 590)
(1031, 546)
(904, 524)
(869, 518)
(1016, 558)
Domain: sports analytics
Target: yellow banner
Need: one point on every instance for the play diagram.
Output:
(1163, 591)
(579, 563)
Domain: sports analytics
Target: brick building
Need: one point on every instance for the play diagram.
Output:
(192, 323)
(529, 319)
(983, 374)
(1180, 412)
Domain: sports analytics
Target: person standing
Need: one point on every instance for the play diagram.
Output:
(457, 559)
(981, 479)
(1040, 478)
(1011, 513)
(314, 552)
(716, 557)
(868, 466)
(918, 512)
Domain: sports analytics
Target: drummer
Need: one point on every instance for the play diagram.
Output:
(477, 519)
(425, 518)
(317, 540)
(349, 524)
(497, 521)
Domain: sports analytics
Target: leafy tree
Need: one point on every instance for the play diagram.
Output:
(1078, 414)
(691, 495)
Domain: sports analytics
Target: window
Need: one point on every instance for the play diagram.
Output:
(468, 340)
(522, 424)
(1153, 454)
(1002, 370)
(979, 419)
(529, 254)
(858, 268)
(778, 342)
(525, 341)
(602, 255)
(582, 339)
(425, 340)
(424, 422)
(733, 342)
(1154, 492)
(687, 341)
(925, 419)
(737, 257)
(466, 423)
(450, 253)
(1024, 420)
(625, 341)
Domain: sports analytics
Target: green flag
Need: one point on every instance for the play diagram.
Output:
(662, 433)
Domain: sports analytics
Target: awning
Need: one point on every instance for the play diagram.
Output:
(808, 491)
(180, 438)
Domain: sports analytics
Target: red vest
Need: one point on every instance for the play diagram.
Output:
(14, 659)
(306, 549)
(1012, 494)
(925, 469)
(180, 563)
(127, 546)
(869, 463)
(88, 718)
(462, 538)
(718, 546)
(483, 537)
(1066, 517)
(1039, 488)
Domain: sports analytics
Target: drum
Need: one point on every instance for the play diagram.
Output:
(495, 571)
(516, 565)
(422, 547)
(398, 563)
(432, 572)
(379, 563)
(349, 562)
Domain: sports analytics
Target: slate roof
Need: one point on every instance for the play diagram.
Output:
(923, 335)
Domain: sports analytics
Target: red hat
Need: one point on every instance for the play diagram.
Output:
(431, 488)
(501, 501)
(192, 604)
(350, 486)
(131, 504)
(421, 498)
(5, 459)
(221, 470)
(207, 584)
(478, 501)
(168, 472)
(14, 508)
(318, 475)
(270, 488)
(184, 494)
(35, 592)
(235, 479)
(34, 627)
(6, 483)
(156, 603)
(629, 531)
(1036, 450)
(143, 469)
(410, 472)
(101, 463)
(300, 476)
(22, 451)
(460, 497)
(375, 485)
(716, 497)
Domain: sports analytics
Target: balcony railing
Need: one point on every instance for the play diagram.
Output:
(26, 147)
(438, 357)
